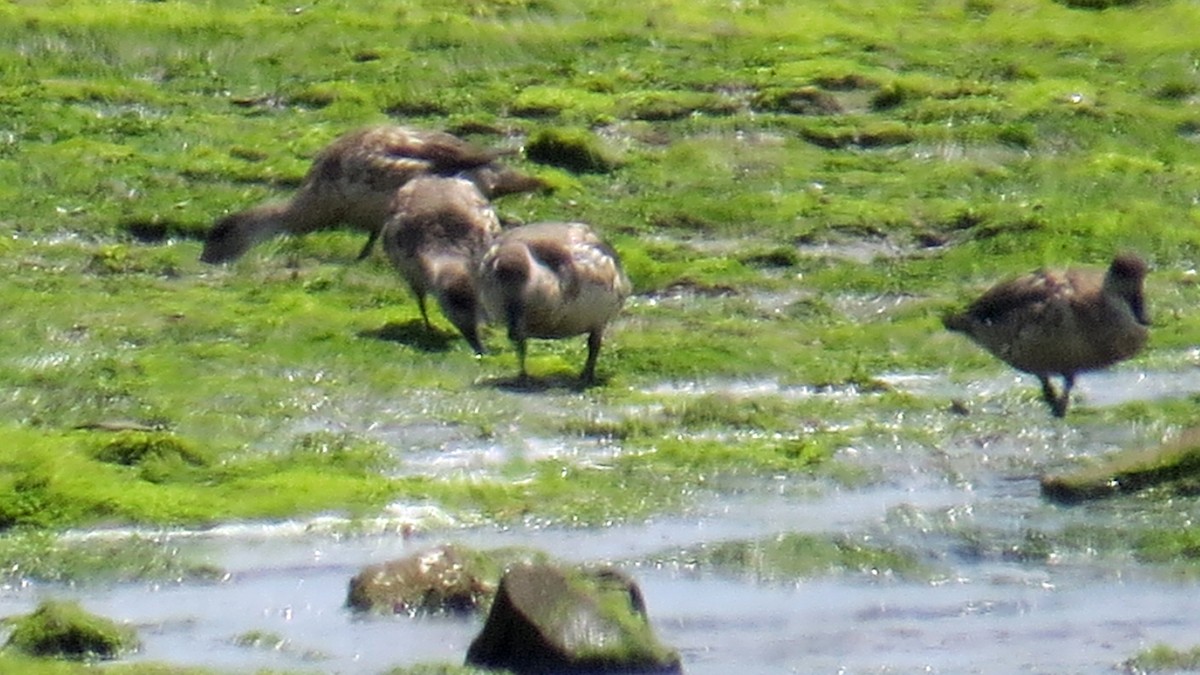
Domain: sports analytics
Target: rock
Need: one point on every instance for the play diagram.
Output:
(550, 619)
(440, 580)
(444, 579)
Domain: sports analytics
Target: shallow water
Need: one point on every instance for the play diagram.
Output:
(984, 611)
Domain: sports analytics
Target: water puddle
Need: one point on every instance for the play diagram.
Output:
(751, 388)
(859, 250)
(984, 611)
(1100, 389)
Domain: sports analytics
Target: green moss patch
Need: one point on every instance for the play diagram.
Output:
(66, 630)
(576, 150)
(1164, 658)
(146, 478)
(1173, 467)
(793, 557)
(47, 557)
(1176, 545)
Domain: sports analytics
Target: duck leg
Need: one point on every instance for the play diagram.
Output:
(420, 295)
(588, 376)
(366, 249)
(1051, 397)
(514, 318)
(1060, 409)
(1058, 402)
(519, 343)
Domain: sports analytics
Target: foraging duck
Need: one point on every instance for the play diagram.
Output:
(1064, 323)
(439, 229)
(352, 182)
(552, 280)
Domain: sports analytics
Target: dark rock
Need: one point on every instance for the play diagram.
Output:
(548, 619)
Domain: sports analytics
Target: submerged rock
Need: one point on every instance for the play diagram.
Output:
(1174, 466)
(66, 630)
(550, 619)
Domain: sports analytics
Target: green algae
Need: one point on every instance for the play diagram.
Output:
(43, 556)
(57, 481)
(66, 630)
(1164, 658)
(272, 642)
(574, 149)
(793, 557)
(1168, 546)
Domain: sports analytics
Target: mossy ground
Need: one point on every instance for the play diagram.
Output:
(1170, 469)
(1164, 659)
(766, 152)
(65, 630)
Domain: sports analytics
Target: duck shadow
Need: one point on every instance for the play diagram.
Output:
(537, 384)
(413, 334)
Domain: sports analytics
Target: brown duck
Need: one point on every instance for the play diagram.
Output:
(1061, 323)
(552, 280)
(352, 182)
(439, 229)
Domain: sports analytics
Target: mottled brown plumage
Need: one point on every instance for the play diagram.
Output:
(352, 183)
(1061, 323)
(439, 229)
(552, 280)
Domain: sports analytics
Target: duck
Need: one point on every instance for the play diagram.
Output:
(1061, 322)
(552, 280)
(353, 180)
(439, 229)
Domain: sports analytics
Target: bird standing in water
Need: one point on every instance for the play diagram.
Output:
(1061, 322)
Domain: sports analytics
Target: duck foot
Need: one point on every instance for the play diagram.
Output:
(1058, 402)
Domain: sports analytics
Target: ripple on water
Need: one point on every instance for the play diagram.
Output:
(753, 387)
(1100, 388)
(399, 517)
(485, 457)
